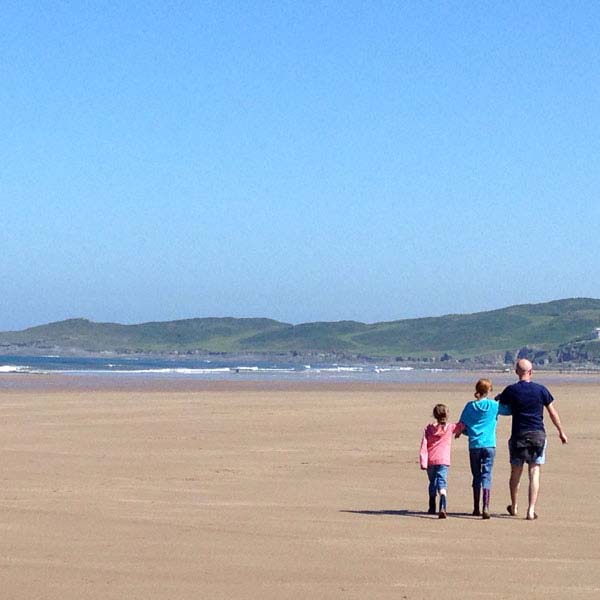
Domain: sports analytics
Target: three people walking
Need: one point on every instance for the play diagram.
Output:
(525, 402)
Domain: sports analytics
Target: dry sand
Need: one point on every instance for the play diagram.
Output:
(178, 490)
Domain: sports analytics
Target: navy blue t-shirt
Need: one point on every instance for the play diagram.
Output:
(526, 400)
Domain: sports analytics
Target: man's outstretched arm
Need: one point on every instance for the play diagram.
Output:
(556, 420)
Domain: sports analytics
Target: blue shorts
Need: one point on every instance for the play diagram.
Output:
(438, 475)
(527, 447)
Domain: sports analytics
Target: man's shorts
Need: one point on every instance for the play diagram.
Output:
(527, 447)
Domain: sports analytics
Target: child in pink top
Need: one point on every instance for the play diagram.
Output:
(435, 455)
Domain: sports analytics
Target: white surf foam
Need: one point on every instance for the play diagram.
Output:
(14, 369)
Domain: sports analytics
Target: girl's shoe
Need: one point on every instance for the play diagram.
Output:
(485, 513)
(476, 498)
(431, 510)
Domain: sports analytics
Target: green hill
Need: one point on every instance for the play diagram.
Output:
(566, 324)
(212, 334)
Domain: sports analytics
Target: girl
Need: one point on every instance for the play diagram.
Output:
(479, 418)
(435, 455)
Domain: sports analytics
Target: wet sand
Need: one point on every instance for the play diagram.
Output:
(137, 489)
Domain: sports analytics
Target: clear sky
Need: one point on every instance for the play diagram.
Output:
(303, 161)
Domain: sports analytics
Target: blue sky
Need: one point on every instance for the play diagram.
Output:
(303, 161)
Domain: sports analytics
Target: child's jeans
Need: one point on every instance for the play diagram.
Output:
(437, 478)
(482, 463)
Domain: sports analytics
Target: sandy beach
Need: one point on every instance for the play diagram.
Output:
(132, 489)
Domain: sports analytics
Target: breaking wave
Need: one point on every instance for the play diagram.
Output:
(15, 369)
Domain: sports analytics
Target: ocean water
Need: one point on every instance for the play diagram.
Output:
(163, 367)
(257, 370)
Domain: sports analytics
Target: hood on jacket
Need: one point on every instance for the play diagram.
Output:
(435, 429)
(482, 405)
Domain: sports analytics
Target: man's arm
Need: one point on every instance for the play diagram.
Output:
(504, 410)
(556, 420)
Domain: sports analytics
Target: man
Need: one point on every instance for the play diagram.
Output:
(526, 400)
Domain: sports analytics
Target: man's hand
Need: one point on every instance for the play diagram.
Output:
(556, 420)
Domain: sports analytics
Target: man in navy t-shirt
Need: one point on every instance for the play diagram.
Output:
(526, 400)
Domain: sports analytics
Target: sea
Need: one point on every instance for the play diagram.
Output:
(260, 370)
(234, 370)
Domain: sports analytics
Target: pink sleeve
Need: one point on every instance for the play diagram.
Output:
(458, 428)
(423, 456)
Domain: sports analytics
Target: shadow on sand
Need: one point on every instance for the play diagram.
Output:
(420, 514)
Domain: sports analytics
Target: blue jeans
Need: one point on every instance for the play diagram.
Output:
(482, 463)
(437, 478)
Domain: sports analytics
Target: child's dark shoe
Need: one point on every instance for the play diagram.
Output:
(432, 509)
(485, 513)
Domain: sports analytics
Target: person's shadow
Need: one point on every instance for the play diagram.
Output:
(417, 514)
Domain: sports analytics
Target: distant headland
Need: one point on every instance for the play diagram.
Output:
(557, 333)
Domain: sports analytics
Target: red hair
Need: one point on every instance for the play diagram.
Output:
(482, 388)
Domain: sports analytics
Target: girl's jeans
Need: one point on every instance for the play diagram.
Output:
(437, 478)
(482, 463)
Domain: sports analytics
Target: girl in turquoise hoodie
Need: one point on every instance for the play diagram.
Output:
(479, 418)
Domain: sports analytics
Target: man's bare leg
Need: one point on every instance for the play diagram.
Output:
(515, 477)
(534, 488)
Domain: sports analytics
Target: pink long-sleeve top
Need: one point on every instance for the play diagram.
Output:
(437, 442)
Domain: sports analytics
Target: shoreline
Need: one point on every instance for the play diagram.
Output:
(300, 359)
(59, 382)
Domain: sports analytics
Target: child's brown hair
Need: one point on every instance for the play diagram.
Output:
(440, 413)
(482, 388)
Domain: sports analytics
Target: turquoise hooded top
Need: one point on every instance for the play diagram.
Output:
(479, 418)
